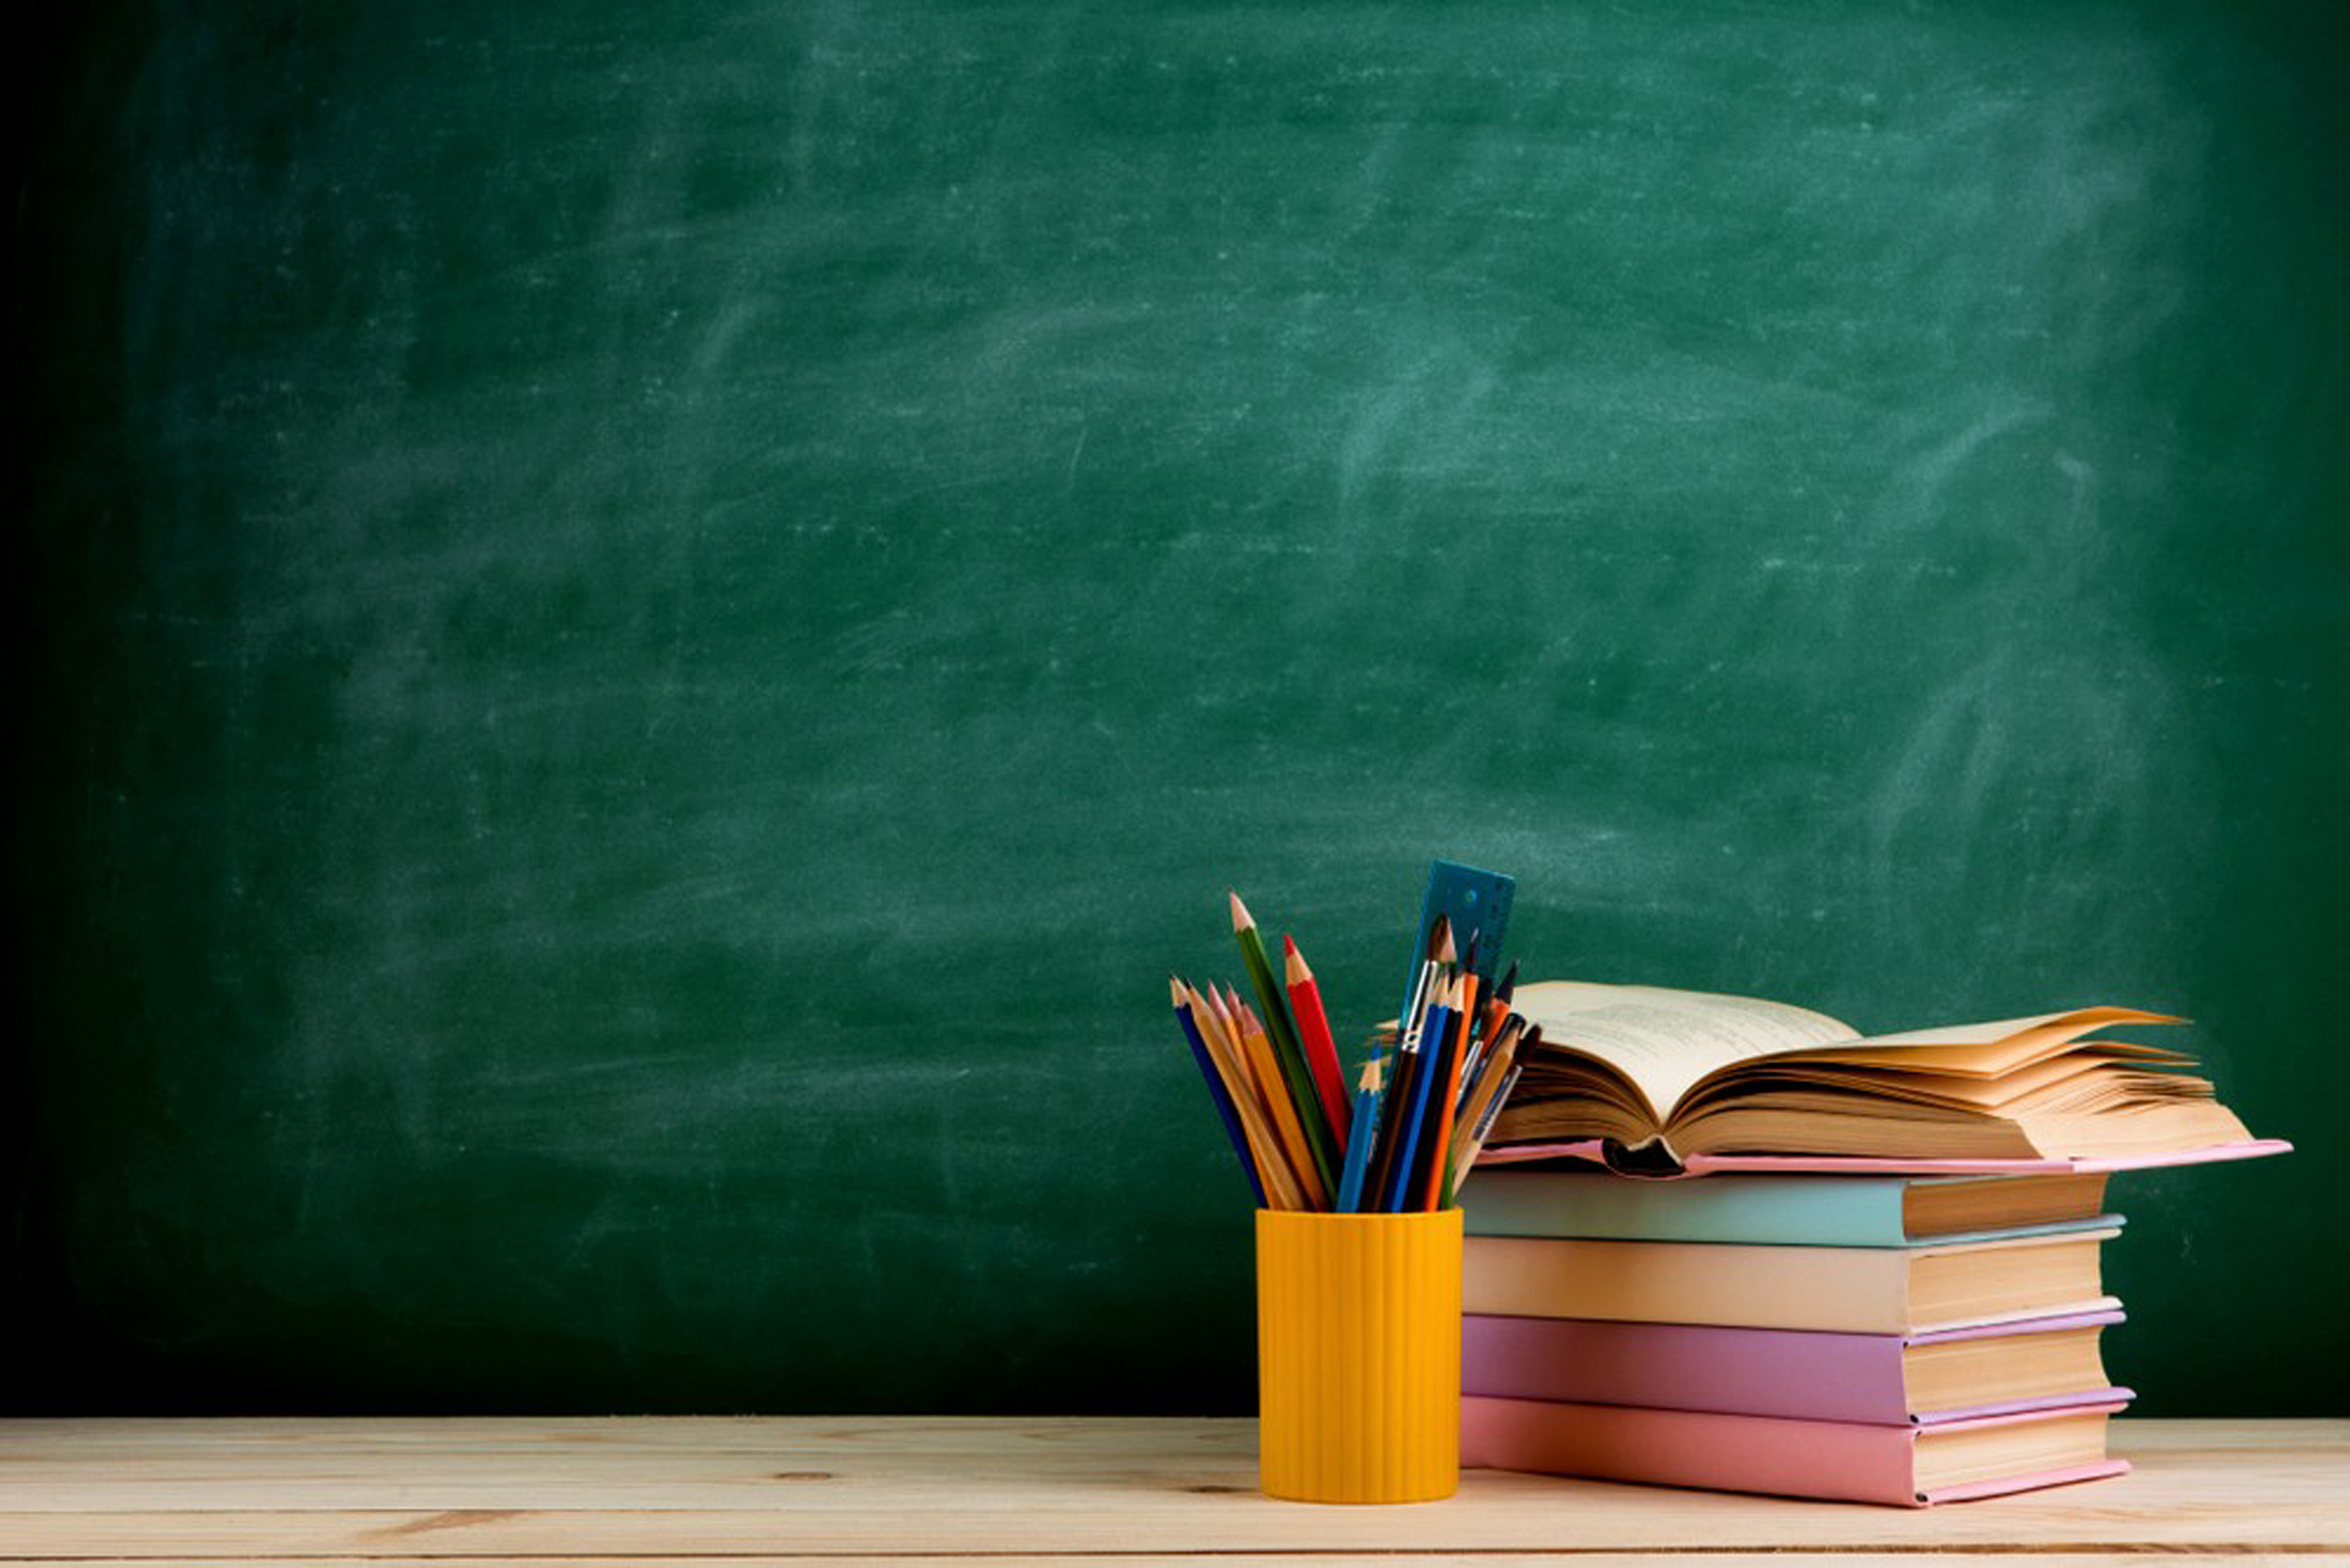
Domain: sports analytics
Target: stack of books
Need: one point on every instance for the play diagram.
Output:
(1886, 1287)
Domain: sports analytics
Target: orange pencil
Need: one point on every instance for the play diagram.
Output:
(1224, 1044)
(1286, 1118)
(1313, 1029)
(1255, 1054)
(1273, 1165)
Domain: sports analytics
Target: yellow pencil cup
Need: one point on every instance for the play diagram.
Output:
(1358, 1356)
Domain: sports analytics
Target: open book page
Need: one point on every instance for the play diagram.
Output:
(2069, 1024)
(1662, 1041)
(1988, 1048)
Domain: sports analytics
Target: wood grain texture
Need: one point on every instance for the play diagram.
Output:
(1288, 1559)
(805, 1490)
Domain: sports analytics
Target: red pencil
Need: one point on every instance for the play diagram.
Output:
(1313, 1029)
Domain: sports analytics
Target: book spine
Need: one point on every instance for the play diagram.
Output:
(1761, 1210)
(1754, 1372)
(1852, 1290)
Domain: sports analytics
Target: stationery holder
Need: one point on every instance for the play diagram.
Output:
(1358, 1356)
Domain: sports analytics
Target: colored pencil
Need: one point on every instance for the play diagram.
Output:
(1281, 1154)
(1282, 1037)
(1426, 1093)
(1225, 1111)
(1363, 1128)
(1282, 1188)
(1285, 1110)
(1313, 1030)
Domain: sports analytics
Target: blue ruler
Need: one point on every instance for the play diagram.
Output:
(1478, 904)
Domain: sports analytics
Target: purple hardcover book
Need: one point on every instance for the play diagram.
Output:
(1792, 1373)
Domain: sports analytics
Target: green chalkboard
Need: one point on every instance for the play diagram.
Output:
(644, 630)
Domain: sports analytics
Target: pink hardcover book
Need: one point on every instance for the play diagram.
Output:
(1796, 1374)
(1906, 1466)
(1594, 1151)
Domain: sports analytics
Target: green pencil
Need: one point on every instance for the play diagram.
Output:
(1286, 1049)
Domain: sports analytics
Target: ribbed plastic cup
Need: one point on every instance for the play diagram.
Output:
(1358, 1357)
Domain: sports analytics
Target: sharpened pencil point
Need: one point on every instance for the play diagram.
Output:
(1294, 970)
(1242, 919)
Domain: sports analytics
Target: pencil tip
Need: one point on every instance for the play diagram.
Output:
(1242, 919)
(1293, 969)
(1175, 990)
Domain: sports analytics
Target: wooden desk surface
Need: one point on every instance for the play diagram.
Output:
(877, 1491)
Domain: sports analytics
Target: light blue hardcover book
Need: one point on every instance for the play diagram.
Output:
(1785, 1210)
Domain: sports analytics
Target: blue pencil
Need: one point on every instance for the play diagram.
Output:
(1217, 1090)
(1414, 1112)
(1362, 1127)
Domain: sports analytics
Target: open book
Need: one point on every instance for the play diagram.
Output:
(1664, 1075)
